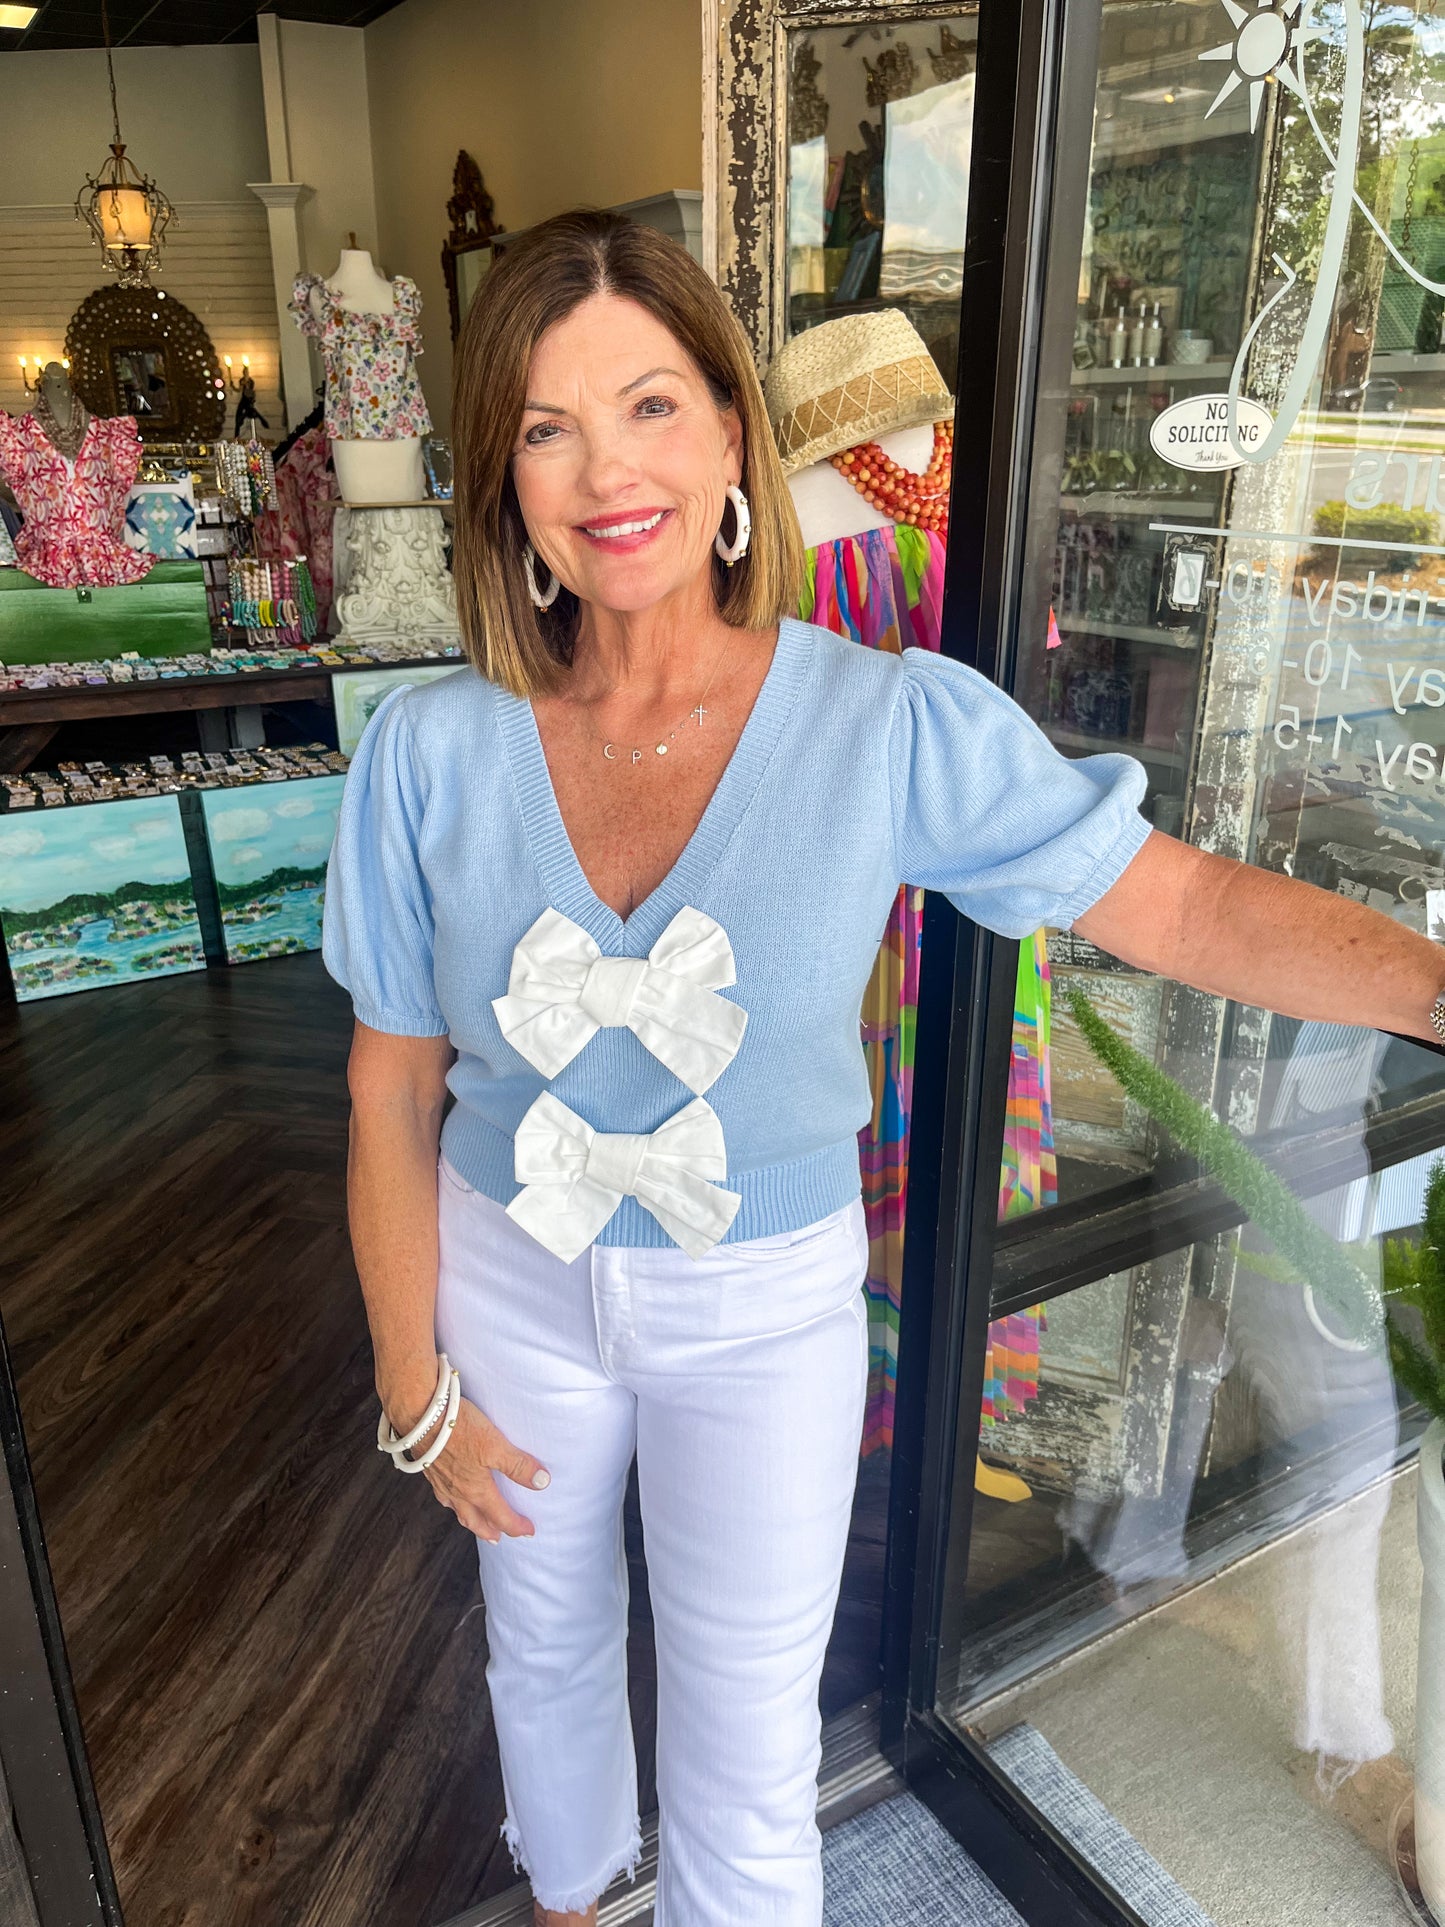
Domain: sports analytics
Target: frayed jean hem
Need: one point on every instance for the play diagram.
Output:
(580, 1898)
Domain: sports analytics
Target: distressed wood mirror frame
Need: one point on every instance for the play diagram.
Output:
(745, 143)
(470, 211)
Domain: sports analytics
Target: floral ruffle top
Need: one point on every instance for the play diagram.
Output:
(73, 509)
(372, 390)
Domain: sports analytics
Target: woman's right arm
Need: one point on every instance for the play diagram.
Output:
(398, 1091)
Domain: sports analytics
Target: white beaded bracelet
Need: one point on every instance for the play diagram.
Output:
(446, 1399)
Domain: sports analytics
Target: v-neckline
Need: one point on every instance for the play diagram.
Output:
(563, 877)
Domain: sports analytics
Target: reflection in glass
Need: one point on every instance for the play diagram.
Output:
(879, 125)
(1239, 472)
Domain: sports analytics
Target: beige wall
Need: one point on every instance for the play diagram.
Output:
(193, 119)
(324, 79)
(191, 116)
(558, 102)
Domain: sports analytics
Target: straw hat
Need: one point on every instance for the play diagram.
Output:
(849, 381)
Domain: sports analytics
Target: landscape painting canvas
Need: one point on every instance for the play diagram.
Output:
(358, 693)
(269, 843)
(97, 895)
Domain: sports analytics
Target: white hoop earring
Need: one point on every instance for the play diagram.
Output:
(742, 535)
(541, 598)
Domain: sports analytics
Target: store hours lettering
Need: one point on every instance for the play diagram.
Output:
(1336, 596)
(1412, 685)
(1371, 473)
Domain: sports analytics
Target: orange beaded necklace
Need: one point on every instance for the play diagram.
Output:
(919, 500)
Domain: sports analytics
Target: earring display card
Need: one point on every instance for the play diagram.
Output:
(93, 898)
(268, 848)
(357, 694)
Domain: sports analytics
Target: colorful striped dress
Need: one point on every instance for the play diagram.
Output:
(884, 588)
(1030, 1178)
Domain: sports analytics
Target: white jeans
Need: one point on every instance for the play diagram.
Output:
(739, 1380)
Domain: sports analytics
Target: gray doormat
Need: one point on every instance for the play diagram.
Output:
(1087, 1824)
(894, 1865)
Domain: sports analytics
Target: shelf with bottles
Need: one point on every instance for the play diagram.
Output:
(1164, 756)
(1111, 466)
(1216, 369)
(1108, 501)
(1124, 324)
(1145, 635)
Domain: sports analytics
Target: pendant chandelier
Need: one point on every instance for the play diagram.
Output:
(126, 212)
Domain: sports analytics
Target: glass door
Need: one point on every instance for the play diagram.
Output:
(55, 1870)
(1172, 1497)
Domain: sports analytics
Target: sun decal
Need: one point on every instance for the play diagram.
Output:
(1265, 41)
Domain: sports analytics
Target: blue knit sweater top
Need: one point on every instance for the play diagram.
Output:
(856, 770)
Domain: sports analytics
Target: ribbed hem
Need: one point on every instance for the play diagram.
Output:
(775, 1197)
(397, 1023)
(1107, 871)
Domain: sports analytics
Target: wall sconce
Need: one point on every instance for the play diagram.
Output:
(31, 383)
(233, 382)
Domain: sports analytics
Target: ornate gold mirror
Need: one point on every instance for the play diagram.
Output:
(139, 351)
(467, 251)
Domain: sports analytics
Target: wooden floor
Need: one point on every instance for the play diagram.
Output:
(277, 1644)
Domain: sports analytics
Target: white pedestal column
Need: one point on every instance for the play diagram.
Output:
(298, 380)
(397, 580)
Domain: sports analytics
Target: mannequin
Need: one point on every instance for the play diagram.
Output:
(846, 392)
(830, 508)
(391, 574)
(369, 471)
(60, 411)
(71, 472)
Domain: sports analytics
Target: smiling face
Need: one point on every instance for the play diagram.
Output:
(623, 457)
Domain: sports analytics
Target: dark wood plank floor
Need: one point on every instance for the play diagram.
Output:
(277, 1644)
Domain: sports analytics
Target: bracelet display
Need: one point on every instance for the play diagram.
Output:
(446, 1400)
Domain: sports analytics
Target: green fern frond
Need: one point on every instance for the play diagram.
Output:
(1269, 1203)
(1422, 1376)
(1266, 1264)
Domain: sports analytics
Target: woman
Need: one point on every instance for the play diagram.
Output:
(619, 886)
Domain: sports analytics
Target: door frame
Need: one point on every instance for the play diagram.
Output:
(53, 1813)
(1034, 98)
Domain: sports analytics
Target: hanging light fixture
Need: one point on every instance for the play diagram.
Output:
(126, 212)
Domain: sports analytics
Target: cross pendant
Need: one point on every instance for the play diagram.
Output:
(699, 712)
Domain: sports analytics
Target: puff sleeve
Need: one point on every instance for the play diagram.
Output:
(377, 930)
(302, 313)
(1014, 833)
(406, 299)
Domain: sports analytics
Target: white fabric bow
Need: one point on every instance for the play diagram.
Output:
(574, 1178)
(562, 990)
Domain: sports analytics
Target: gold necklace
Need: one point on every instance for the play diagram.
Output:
(635, 756)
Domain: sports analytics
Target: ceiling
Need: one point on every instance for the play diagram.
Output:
(175, 23)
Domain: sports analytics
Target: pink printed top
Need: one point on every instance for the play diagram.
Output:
(373, 392)
(74, 511)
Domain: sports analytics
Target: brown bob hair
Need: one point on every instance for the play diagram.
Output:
(547, 274)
